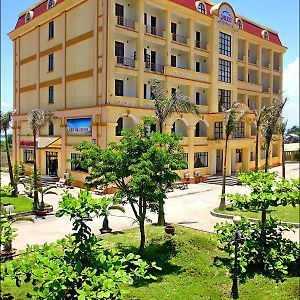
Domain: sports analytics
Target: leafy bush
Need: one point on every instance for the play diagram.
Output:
(275, 257)
(77, 267)
(70, 180)
(7, 234)
(6, 190)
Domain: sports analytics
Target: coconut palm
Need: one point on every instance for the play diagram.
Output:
(5, 124)
(37, 119)
(258, 122)
(270, 125)
(166, 107)
(232, 117)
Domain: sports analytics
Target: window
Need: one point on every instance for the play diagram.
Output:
(197, 98)
(75, 163)
(200, 130)
(185, 157)
(28, 156)
(201, 160)
(198, 66)
(119, 127)
(173, 60)
(51, 95)
(224, 70)
(50, 62)
(201, 8)
(173, 91)
(252, 156)
(239, 24)
(224, 99)
(218, 130)
(28, 16)
(119, 87)
(239, 131)
(51, 30)
(265, 34)
(225, 44)
(51, 3)
(238, 155)
(51, 128)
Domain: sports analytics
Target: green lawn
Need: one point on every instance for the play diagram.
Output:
(284, 213)
(21, 203)
(189, 271)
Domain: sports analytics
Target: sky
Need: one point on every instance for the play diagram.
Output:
(281, 16)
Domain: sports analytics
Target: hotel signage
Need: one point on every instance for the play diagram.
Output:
(26, 144)
(79, 127)
(226, 16)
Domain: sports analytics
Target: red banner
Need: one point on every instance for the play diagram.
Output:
(27, 144)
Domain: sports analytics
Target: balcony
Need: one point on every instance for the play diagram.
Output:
(200, 141)
(127, 23)
(125, 62)
(187, 74)
(179, 38)
(243, 85)
(201, 45)
(154, 31)
(124, 101)
(266, 89)
(154, 68)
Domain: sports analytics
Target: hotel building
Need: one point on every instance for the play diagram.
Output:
(92, 62)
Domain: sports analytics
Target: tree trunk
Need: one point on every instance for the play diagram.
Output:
(10, 169)
(161, 213)
(35, 191)
(222, 205)
(282, 156)
(268, 142)
(143, 237)
(256, 151)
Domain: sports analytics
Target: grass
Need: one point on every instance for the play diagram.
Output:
(21, 203)
(188, 269)
(284, 213)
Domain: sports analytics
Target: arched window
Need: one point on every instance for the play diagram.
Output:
(28, 16)
(201, 130)
(265, 34)
(239, 24)
(201, 8)
(124, 123)
(180, 127)
(51, 3)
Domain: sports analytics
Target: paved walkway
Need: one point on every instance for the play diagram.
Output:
(189, 208)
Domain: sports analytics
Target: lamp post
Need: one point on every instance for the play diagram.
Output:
(234, 289)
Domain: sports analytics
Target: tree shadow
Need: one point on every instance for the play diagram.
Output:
(160, 250)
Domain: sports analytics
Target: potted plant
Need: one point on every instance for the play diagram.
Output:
(42, 210)
(70, 181)
(169, 229)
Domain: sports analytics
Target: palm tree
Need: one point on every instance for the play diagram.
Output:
(270, 125)
(5, 124)
(45, 191)
(37, 119)
(165, 107)
(281, 130)
(231, 118)
(105, 212)
(259, 119)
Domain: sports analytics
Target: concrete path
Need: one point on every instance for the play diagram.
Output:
(189, 208)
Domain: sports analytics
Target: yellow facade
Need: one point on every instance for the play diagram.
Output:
(85, 70)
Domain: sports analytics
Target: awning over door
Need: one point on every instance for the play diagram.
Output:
(49, 142)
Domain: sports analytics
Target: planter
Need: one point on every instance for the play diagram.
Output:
(103, 231)
(170, 229)
(41, 213)
(7, 254)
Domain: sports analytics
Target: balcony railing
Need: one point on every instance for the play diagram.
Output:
(266, 89)
(154, 67)
(200, 45)
(126, 61)
(252, 61)
(154, 31)
(125, 22)
(179, 38)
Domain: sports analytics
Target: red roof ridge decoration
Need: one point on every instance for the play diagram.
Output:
(248, 26)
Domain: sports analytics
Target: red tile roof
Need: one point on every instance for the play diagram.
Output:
(248, 26)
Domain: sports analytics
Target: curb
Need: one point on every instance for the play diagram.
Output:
(224, 216)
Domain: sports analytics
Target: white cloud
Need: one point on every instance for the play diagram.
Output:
(291, 91)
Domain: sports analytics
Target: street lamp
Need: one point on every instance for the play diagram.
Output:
(234, 289)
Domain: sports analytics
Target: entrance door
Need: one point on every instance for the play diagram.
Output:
(173, 31)
(51, 163)
(153, 25)
(219, 161)
(120, 14)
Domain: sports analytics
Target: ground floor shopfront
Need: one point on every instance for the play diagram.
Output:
(203, 152)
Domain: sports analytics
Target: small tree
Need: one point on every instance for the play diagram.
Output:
(37, 119)
(258, 122)
(281, 130)
(269, 127)
(165, 108)
(5, 124)
(139, 168)
(231, 118)
(267, 190)
(45, 191)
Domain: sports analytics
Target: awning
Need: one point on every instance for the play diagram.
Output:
(47, 141)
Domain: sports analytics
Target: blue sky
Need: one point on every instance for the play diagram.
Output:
(279, 15)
